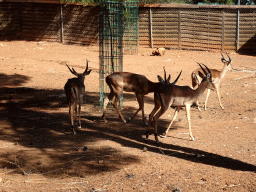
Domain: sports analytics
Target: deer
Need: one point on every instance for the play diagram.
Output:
(130, 82)
(217, 76)
(176, 96)
(75, 90)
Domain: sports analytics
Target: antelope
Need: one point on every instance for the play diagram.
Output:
(75, 90)
(177, 96)
(217, 76)
(130, 82)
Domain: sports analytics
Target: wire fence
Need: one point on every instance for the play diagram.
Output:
(111, 44)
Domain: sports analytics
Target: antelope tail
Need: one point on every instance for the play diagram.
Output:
(74, 93)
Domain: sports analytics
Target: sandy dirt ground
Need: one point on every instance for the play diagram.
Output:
(38, 152)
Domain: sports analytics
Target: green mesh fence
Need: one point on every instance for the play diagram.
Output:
(110, 43)
(131, 24)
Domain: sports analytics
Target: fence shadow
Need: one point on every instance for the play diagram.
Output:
(249, 48)
(12, 80)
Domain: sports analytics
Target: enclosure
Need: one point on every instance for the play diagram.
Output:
(40, 153)
(196, 27)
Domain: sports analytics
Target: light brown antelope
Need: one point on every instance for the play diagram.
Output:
(75, 90)
(177, 96)
(217, 76)
(129, 82)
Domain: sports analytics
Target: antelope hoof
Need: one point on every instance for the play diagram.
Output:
(192, 138)
(222, 107)
(79, 126)
(73, 130)
(156, 138)
(145, 121)
(163, 136)
(147, 135)
(104, 118)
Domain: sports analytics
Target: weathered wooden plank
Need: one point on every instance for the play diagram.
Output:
(165, 27)
(202, 22)
(166, 44)
(201, 45)
(164, 16)
(161, 23)
(12, 27)
(205, 27)
(199, 14)
(202, 35)
(201, 38)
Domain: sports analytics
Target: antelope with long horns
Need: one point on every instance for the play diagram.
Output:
(130, 82)
(177, 96)
(75, 90)
(217, 76)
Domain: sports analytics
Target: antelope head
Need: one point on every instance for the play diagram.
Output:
(227, 62)
(80, 76)
(207, 77)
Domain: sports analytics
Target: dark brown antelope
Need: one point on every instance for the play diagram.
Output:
(177, 96)
(75, 90)
(217, 76)
(130, 82)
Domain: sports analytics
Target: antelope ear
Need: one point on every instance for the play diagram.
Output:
(201, 74)
(230, 63)
(160, 79)
(169, 78)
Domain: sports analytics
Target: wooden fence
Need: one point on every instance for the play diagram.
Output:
(49, 22)
(201, 27)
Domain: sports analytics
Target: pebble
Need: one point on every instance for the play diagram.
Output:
(101, 161)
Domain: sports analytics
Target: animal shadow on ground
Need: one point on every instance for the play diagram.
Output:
(36, 132)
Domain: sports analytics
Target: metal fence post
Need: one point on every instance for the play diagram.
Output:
(237, 27)
(21, 19)
(179, 29)
(223, 30)
(150, 25)
(61, 24)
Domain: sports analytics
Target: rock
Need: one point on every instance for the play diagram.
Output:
(101, 161)
(85, 148)
(159, 51)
